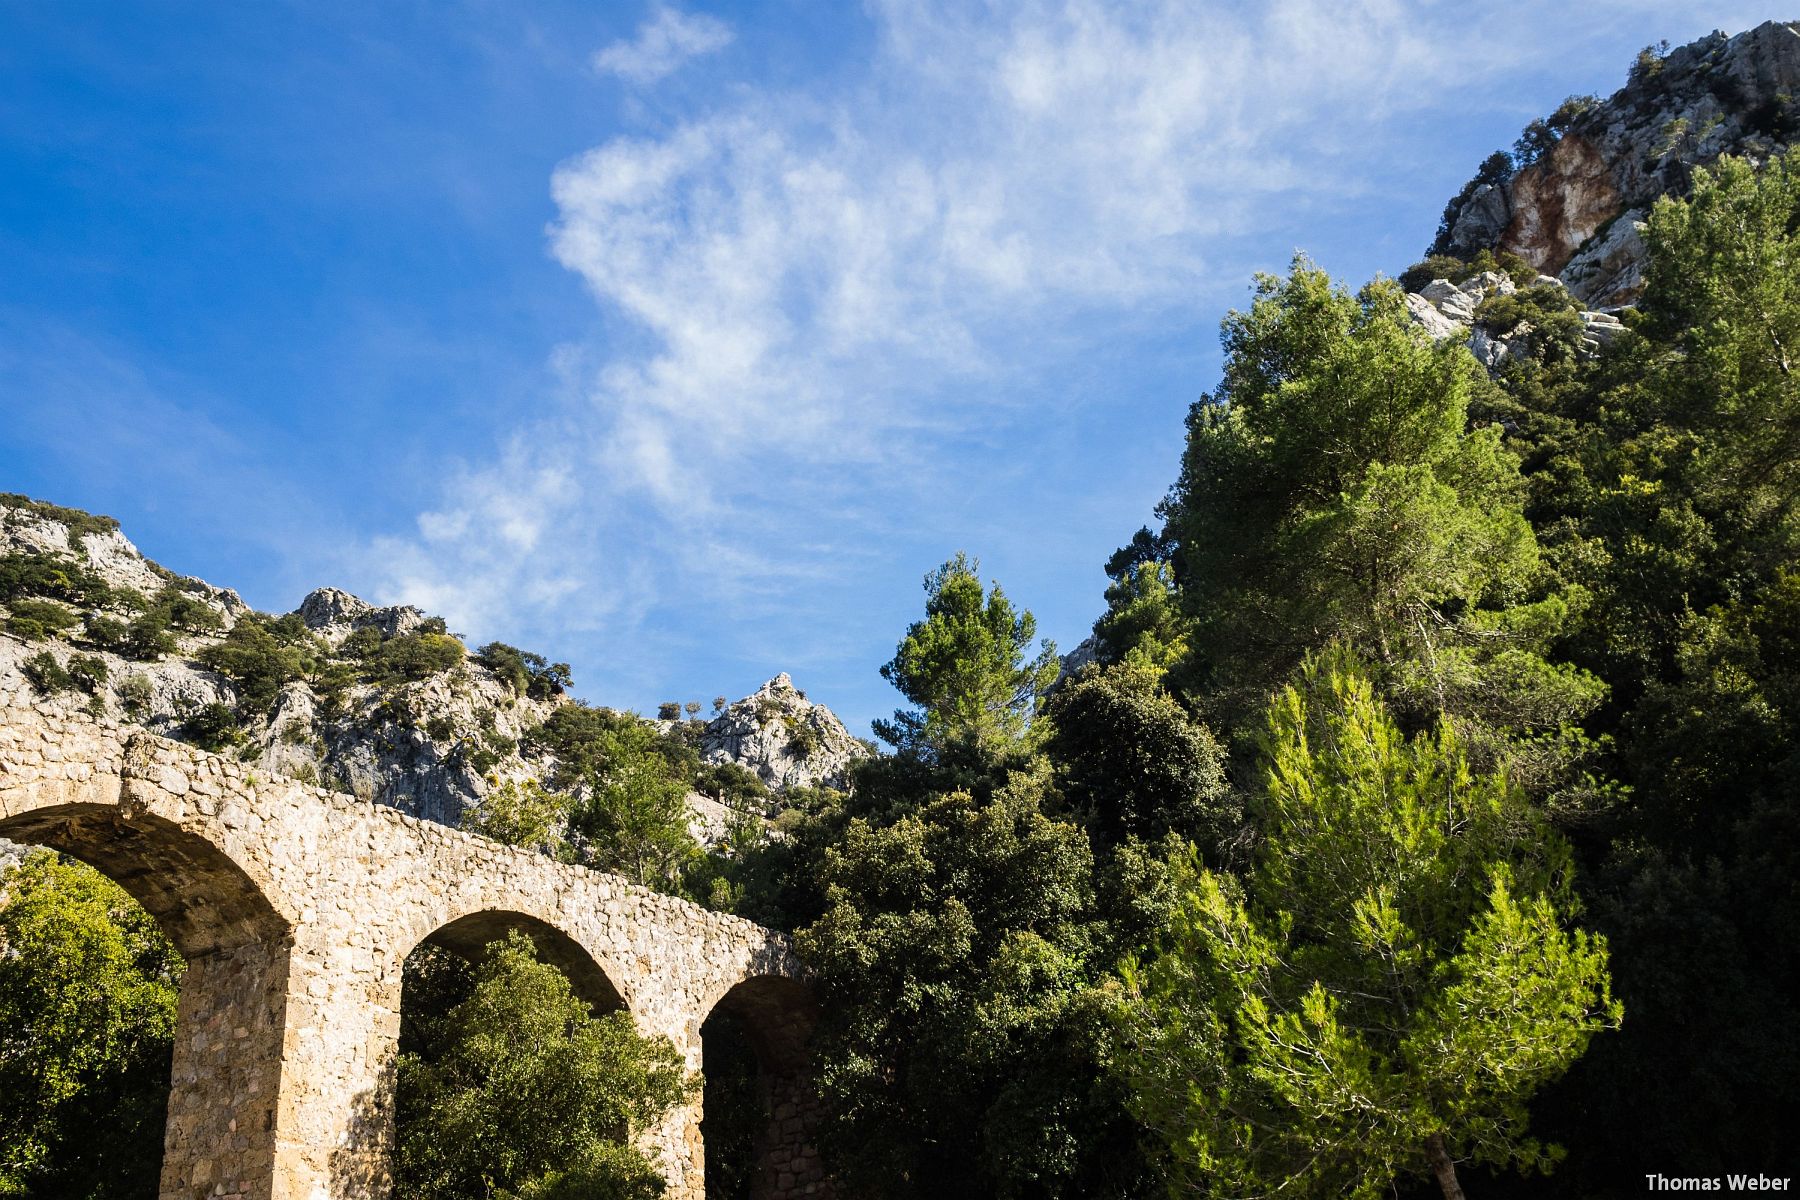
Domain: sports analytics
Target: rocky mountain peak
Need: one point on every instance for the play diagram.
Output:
(327, 606)
(334, 614)
(786, 739)
(781, 685)
(32, 527)
(1571, 198)
(394, 723)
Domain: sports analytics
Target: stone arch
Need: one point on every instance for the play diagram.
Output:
(469, 935)
(775, 1016)
(296, 907)
(201, 897)
(226, 1073)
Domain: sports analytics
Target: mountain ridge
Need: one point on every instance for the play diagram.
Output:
(390, 707)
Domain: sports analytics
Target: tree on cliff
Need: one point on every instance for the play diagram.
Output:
(965, 666)
(1385, 991)
(634, 819)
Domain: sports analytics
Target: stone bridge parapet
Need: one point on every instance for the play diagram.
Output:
(296, 908)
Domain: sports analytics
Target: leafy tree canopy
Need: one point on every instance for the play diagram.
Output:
(633, 819)
(956, 1055)
(1333, 489)
(87, 1016)
(1132, 762)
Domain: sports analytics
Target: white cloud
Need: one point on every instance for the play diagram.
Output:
(832, 289)
(662, 45)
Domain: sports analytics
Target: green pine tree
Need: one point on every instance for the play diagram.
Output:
(1333, 490)
(1388, 988)
(966, 667)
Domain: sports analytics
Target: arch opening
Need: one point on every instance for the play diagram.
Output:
(174, 1086)
(489, 1041)
(760, 1106)
(468, 938)
(201, 899)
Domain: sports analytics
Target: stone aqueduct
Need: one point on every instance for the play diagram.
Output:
(295, 909)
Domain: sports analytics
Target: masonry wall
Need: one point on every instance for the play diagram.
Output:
(297, 908)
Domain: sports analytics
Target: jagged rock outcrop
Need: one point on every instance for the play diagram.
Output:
(31, 528)
(786, 739)
(1575, 211)
(1449, 310)
(1086, 651)
(334, 615)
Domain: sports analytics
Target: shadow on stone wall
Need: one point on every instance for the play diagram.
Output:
(361, 1168)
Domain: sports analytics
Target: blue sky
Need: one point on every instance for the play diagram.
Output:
(680, 342)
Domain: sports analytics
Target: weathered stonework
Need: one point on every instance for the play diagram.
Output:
(296, 908)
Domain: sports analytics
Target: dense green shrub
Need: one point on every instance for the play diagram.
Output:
(523, 814)
(526, 673)
(35, 620)
(1132, 763)
(510, 1086)
(214, 727)
(46, 674)
(105, 633)
(50, 576)
(135, 693)
(1434, 266)
(1461, 270)
(1544, 319)
(578, 736)
(184, 611)
(413, 657)
(84, 673)
(363, 642)
(147, 638)
(88, 672)
(77, 521)
(731, 783)
(261, 656)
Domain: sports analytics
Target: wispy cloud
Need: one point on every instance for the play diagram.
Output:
(825, 287)
(663, 44)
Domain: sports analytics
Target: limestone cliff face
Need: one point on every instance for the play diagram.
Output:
(1559, 203)
(429, 747)
(1575, 211)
